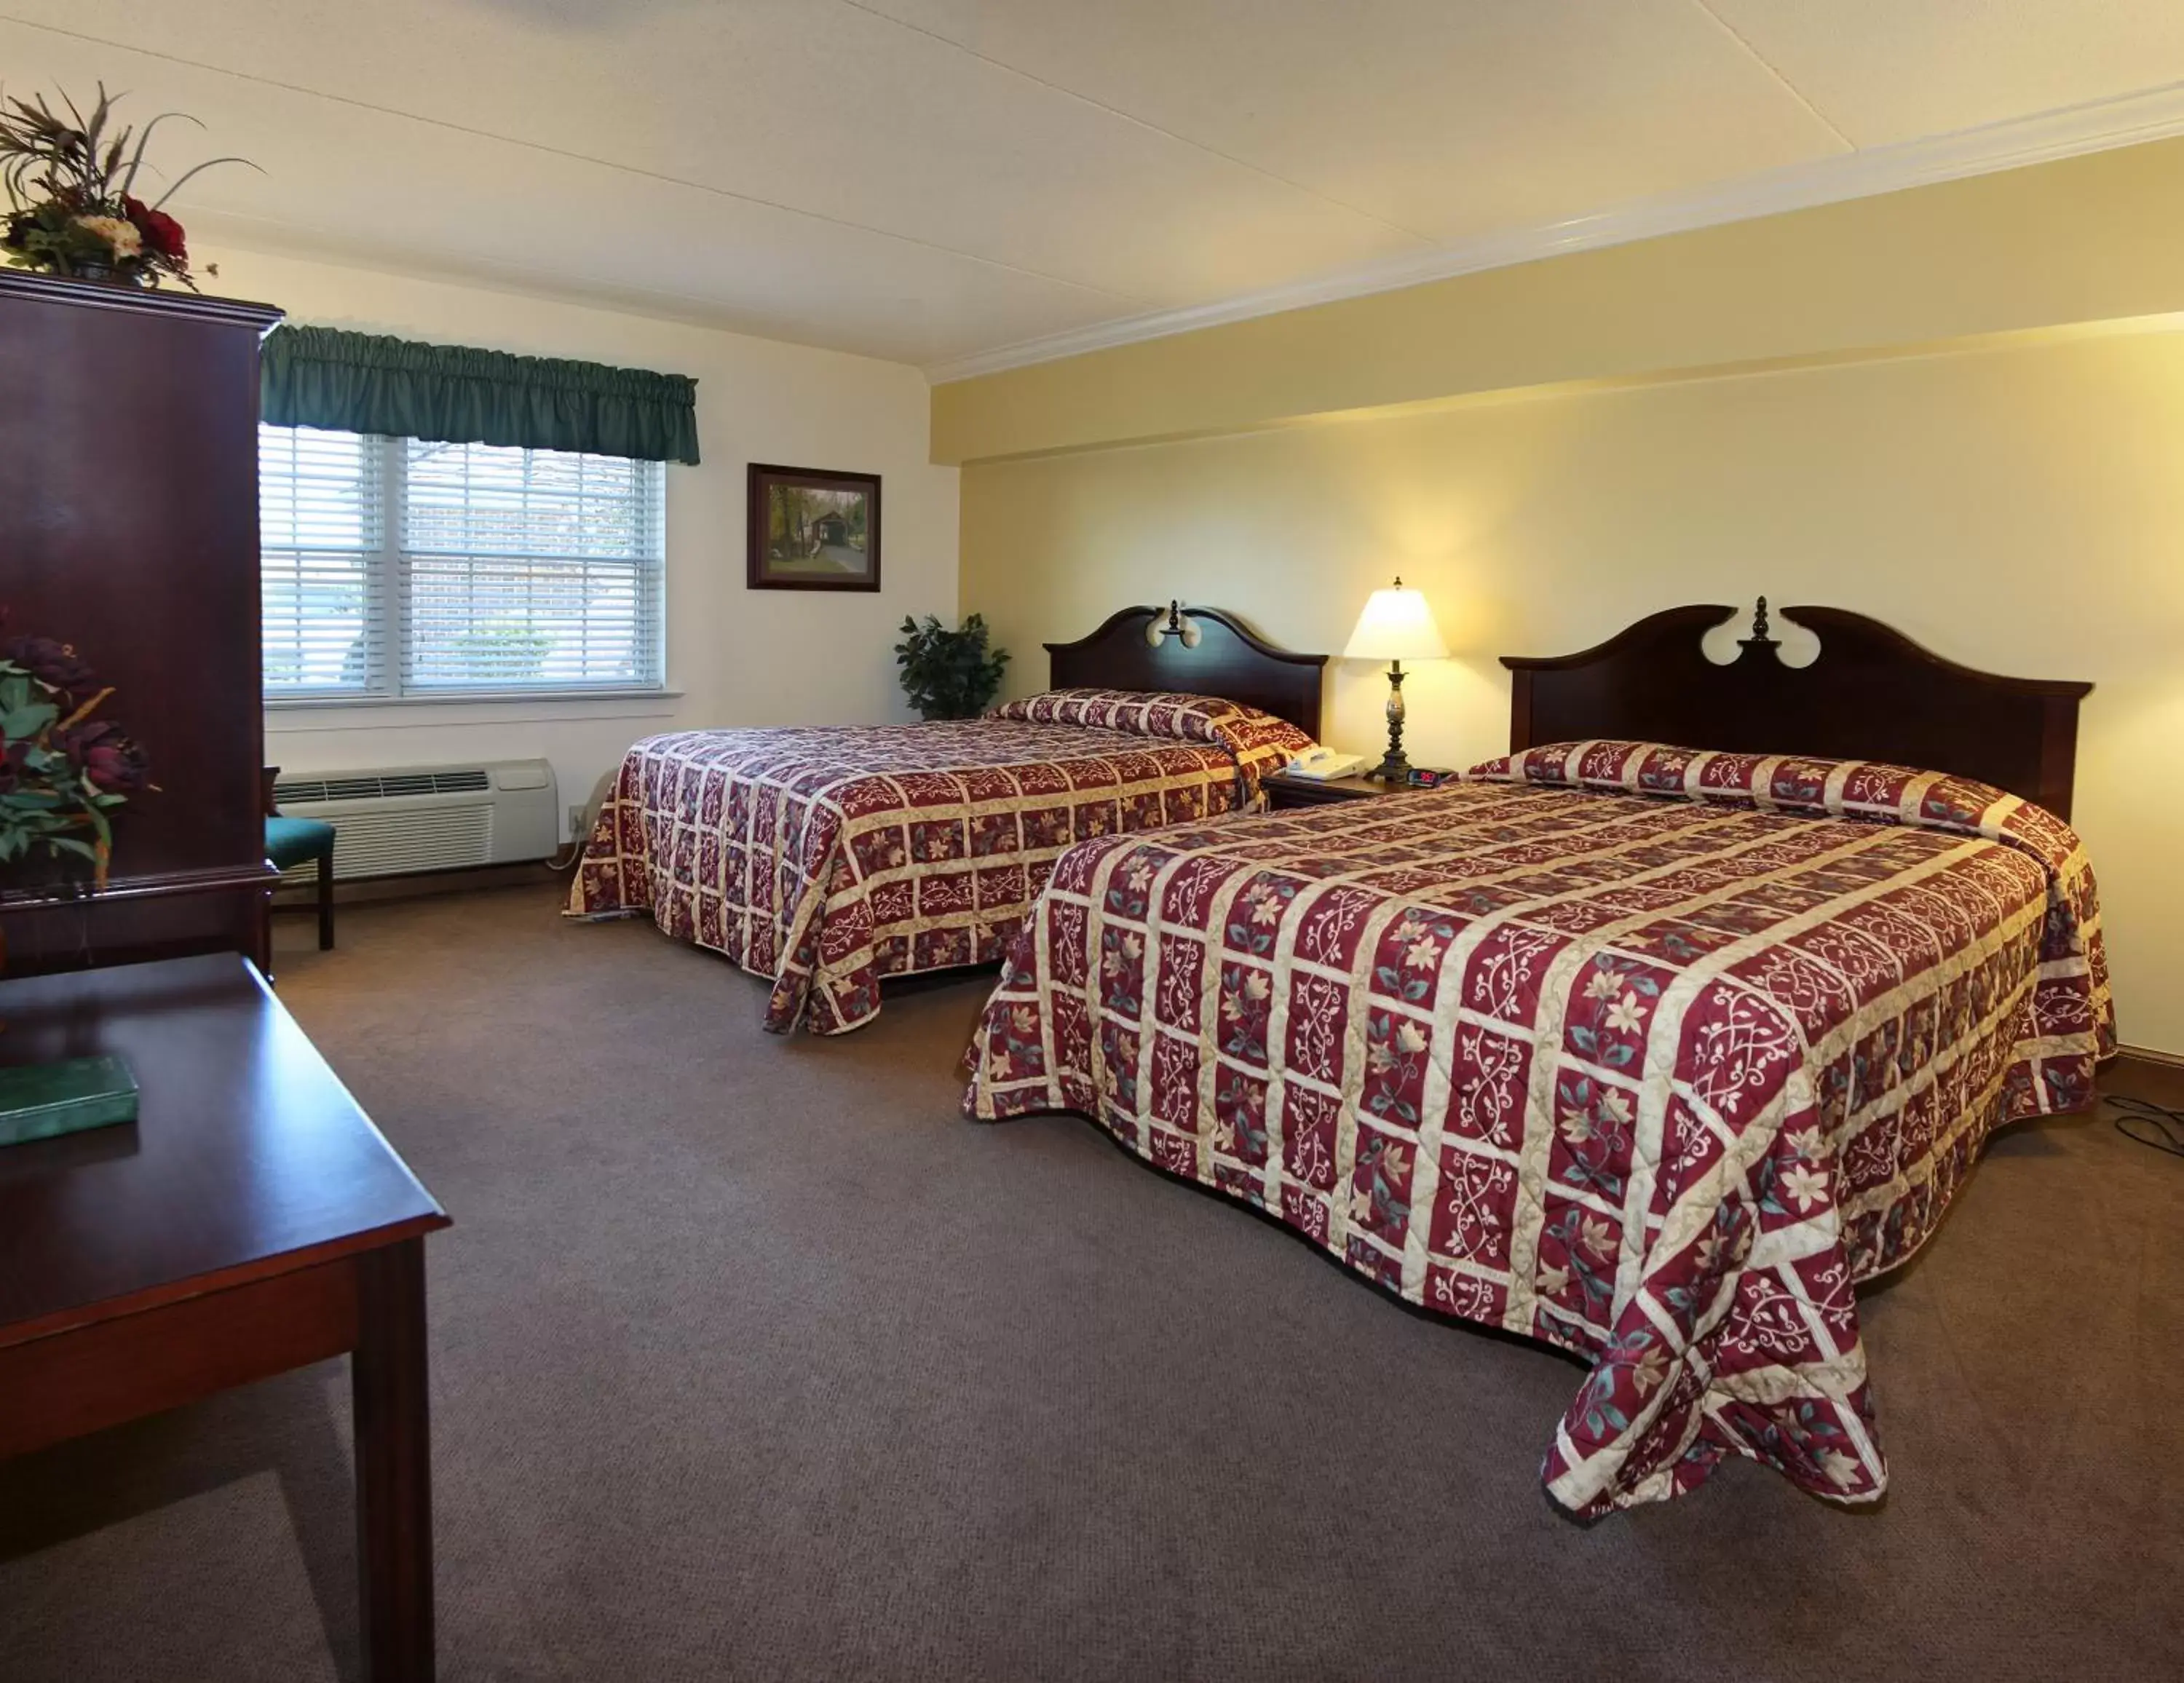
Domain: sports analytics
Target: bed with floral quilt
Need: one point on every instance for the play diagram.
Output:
(1649, 1053)
(823, 859)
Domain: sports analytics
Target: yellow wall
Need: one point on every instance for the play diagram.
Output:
(2017, 506)
(2092, 239)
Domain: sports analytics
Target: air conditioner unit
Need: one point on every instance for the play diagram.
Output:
(391, 821)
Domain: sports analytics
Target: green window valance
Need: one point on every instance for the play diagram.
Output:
(362, 382)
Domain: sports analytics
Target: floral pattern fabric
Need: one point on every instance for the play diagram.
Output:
(1649, 1054)
(824, 859)
(1261, 741)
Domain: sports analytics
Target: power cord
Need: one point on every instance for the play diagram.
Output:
(2161, 1126)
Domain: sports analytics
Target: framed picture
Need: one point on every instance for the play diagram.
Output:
(812, 530)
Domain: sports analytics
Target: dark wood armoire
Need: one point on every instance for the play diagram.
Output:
(129, 529)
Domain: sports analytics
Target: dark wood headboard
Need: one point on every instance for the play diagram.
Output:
(1872, 695)
(1231, 661)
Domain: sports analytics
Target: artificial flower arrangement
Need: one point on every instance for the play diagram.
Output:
(71, 193)
(61, 771)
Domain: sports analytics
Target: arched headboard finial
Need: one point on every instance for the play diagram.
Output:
(1872, 693)
(1134, 650)
(1178, 624)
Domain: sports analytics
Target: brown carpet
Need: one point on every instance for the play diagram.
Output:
(754, 1361)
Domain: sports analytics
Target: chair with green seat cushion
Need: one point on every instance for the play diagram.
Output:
(290, 842)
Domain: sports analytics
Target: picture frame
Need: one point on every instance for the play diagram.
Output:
(812, 529)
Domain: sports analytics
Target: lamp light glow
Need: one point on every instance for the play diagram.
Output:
(1396, 625)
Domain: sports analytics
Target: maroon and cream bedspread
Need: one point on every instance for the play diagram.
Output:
(826, 859)
(1650, 1054)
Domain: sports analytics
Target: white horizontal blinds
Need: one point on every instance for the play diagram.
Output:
(530, 569)
(394, 567)
(321, 528)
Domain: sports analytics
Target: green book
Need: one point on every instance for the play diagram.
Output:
(38, 1100)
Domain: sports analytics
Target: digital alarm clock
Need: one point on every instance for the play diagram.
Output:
(1430, 776)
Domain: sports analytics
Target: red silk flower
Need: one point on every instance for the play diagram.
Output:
(161, 232)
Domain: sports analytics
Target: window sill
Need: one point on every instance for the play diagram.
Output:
(379, 712)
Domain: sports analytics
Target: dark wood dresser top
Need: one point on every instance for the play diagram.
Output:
(248, 1156)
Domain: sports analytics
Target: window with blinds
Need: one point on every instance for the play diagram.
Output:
(320, 538)
(395, 567)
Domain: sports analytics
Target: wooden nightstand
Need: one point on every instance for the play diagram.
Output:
(1287, 794)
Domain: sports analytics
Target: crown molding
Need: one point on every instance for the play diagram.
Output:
(2099, 126)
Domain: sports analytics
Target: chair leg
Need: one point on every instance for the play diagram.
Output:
(326, 902)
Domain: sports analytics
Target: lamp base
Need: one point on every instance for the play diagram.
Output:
(1395, 767)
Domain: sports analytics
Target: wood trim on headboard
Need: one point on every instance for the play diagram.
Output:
(1873, 693)
(1231, 661)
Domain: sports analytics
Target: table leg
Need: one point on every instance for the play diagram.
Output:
(393, 1465)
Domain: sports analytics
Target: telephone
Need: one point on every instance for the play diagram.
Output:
(1323, 763)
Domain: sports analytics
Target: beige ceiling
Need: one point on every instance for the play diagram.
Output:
(927, 180)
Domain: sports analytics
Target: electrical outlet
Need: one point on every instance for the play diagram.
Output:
(576, 822)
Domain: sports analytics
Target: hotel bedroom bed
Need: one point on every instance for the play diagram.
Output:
(1650, 1053)
(823, 859)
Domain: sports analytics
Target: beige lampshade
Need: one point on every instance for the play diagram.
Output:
(1397, 624)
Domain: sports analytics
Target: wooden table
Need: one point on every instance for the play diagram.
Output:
(250, 1221)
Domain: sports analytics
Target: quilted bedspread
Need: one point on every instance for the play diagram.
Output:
(824, 859)
(1650, 1054)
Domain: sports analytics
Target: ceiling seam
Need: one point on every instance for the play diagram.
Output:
(1116, 111)
(564, 152)
(1773, 69)
(242, 230)
(2041, 137)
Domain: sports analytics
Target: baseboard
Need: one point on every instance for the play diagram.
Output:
(2148, 1055)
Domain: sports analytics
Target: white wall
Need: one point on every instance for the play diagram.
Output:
(740, 657)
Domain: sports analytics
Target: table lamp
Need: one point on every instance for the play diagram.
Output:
(1396, 625)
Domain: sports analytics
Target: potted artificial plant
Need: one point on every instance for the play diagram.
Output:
(949, 674)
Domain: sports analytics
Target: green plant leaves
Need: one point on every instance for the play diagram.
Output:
(949, 674)
(27, 720)
(48, 800)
